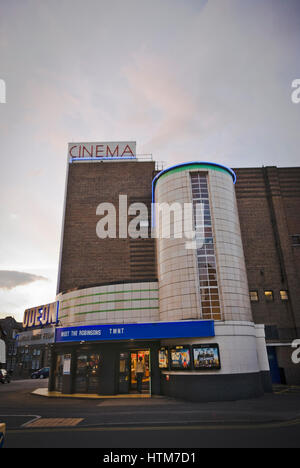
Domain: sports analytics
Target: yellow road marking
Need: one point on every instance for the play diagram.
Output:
(54, 422)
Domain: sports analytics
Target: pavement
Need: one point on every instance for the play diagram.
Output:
(32, 420)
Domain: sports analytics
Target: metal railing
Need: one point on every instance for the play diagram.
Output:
(145, 157)
(159, 165)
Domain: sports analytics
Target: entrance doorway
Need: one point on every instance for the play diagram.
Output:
(144, 358)
(58, 373)
(274, 367)
(128, 382)
(87, 378)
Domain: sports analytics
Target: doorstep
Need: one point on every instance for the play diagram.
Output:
(46, 393)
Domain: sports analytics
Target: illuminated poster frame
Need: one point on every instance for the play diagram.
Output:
(179, 362)
(206, 357)
(163, 358)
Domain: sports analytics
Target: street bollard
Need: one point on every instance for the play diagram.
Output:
(2, 434)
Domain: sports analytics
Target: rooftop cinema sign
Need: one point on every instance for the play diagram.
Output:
(41, 316)
(103, 150)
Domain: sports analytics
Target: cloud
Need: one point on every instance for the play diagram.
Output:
(223, 91)
(172, 107)
(12, 279)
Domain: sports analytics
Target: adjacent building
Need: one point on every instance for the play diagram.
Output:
(9, 329)
(33, 343)
(2, 349)
(269, 212)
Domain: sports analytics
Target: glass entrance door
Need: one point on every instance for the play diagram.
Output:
(87, 379)
(274, 367)
(58, 372)
(140, 364)
(124, 372)
(131, 362)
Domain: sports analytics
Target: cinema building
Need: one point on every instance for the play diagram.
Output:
(192, 308)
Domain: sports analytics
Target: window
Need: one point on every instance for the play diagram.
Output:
(35, 364)
(206, 259)
(254, 297)
(296, 240)
(269, 296)
(284, 295)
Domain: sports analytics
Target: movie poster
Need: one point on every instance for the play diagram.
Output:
(163, 358)
(180, 358)
(206, 357)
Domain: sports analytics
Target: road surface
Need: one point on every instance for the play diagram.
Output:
(34, 421)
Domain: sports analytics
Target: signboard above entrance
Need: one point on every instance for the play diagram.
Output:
(102, 150)
(137, 331)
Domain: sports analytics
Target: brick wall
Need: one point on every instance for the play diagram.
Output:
(269, 210)
(87, 260)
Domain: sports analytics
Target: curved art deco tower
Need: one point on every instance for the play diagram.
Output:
(202, 276)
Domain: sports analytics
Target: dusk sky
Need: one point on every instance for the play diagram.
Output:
(186, 79)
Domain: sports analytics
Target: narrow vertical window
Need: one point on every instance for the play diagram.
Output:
(269, 296)
(206, 259)
(296, 240)
(254, 297)
(284, 296)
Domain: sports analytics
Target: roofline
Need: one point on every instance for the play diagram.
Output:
(204, 163)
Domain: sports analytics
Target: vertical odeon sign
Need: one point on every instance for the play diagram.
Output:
(41, 316)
